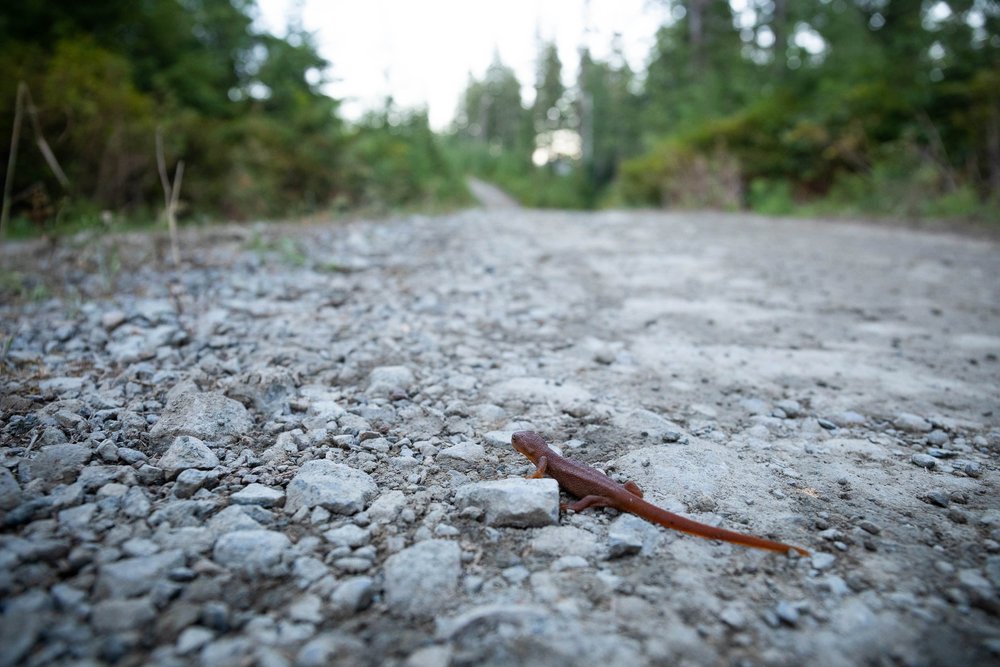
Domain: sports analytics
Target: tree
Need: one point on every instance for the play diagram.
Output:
(549, 90)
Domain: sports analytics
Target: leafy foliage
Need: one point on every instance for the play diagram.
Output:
(889, 107)
(244, 110)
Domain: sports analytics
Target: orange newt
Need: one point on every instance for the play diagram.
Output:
(595, 489)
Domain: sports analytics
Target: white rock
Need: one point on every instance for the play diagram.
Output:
(333, 486)
(513, 502)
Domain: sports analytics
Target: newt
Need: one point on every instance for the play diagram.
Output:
(595, 489)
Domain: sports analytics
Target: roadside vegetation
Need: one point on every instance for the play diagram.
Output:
(97, 82)
(843, 107)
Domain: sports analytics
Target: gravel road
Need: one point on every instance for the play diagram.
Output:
(295, 450)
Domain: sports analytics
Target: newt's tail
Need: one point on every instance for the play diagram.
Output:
(660, 516)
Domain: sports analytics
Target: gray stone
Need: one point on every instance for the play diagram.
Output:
(939, 453)
(513, 502)
(232, 518)
(648, 424)
(63, 386)
(10, 490)
(564, 541)
(387, 506)
(733, 616)
(923, 460)
(108, 451)
(386, 379)
(112, 319)
(333, 486)
(23, 620)
(193, 638)
(565, 396)
(206, 416)
(349, 536)
(937, 497)
(792, 409)
(306, 608)
(135, 503)
(937, 438)
(77, 519)
(353, 594)
(190, 480)
(755, 406)
(462, 456)
(268, 389)
(331, 649)
(823, 561)
(993, 570)
(626, 535)
(419, 580)
(121, 615)
(252, 552)
(187, 452)
(130, 577)
(847, 419)
(130, 456)
(260, 495)
(976, 584)
(787, 613)
(57, 463)
(912, 423)
(227, 652)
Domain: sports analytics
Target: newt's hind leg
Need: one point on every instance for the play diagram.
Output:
(633, 488)
(585, 503)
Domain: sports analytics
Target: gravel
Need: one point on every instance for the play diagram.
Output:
(294, 449)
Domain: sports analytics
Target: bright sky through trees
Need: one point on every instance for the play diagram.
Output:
(422, 52)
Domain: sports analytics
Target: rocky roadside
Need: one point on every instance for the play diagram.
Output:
(296, 450)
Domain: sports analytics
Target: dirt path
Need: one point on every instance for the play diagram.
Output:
(830, 385)
(490, 196)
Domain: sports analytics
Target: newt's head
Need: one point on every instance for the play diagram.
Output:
(530, 444)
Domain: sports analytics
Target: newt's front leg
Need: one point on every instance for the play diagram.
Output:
(540, 467)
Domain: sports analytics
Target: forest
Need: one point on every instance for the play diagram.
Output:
(844, 107)
(848, 107)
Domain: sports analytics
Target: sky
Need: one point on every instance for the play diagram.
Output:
(422, 51)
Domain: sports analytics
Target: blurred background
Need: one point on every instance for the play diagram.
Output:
(281, 109)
